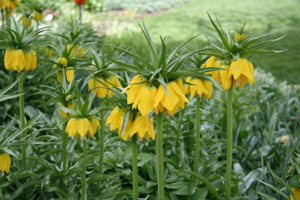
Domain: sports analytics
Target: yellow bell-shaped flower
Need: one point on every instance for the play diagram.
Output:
(143, 127)
(14, 60)
(4, 163)
(145, 99)
(70, 73)
(81, 127)
(134, 87)
(241, 72)
(37, 16)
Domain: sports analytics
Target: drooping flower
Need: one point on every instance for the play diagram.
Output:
(4, 163)
(110, 82)
(134, 87)
(63, 61)
(211, 62)
(296, 192)
(100, 84)
(197, 87)
(143, 127)
(10, 5)
(285, 139)
(241, 72)
(31, 60)
(37, 16)
(171, 102)
(145, 99)
(225, 81)
(70, 73)
(24, 19)
(82, 126)
(209, 87)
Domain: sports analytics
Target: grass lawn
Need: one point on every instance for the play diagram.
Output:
(184, 21)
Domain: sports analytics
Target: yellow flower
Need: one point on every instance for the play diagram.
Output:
(4, 163)
(70, 73)
(79, 52)
(23, 19)
(49, 52)
(134, 87)
(37, 16)
(170, 103)
(211, 62)
(114, 118)
(239, 37)
(297, 194)
(81, 127)
(197, 87)
(243, 72)
(59, 76)
(110, 82)
(209, 87)
(285, 139)
(63, 61)
(30, 59)
(14, 59)
(216, 74)
(145, 99)
(225, 81)
(62, 113)
(143, 127)
(9, 4)
(101, 88)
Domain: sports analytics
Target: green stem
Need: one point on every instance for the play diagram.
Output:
(22, 118)
(83, 192)
(160, 161)
(7, 19)
(64, 155)
(80, 14)
(229, 145)
(2, 15)
(101, 137)
(177, 137)
(197, 148)
(135, 169)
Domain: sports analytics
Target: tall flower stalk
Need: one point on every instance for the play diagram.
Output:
(231, 55)
(135, 169)
(20, 57)
(229, 145)
(22, 118)
(159, 87)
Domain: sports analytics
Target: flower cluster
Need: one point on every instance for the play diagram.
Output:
(82, 126)
(147, 97)
(199, 87)
(19, 60)
(238, 73)
(10, 5)
(4, 163)
(141, 125)
(101, 85)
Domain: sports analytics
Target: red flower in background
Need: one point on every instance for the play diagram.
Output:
(81, 2)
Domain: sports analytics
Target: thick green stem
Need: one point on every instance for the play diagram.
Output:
(83, 192)
(101, 139)
(229, 145)
(178, 135)
(135, 169)
(64, 155)
(22, 119)
(160, 161)
(7, 18)
(197, 148)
